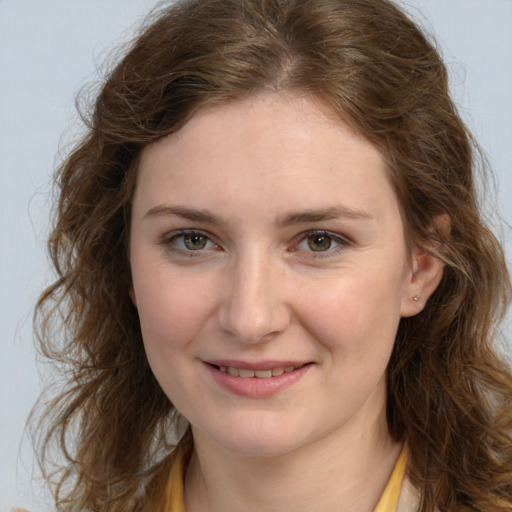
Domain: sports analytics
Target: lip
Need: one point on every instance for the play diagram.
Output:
(254, 387)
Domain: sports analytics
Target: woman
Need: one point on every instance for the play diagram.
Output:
(276, 287)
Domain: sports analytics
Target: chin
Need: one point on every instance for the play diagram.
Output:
(257, 439)
(259, 447)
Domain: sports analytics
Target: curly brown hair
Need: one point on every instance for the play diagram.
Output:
(449, 392)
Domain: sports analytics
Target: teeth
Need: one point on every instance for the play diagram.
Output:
(260, 374)
(263, 374)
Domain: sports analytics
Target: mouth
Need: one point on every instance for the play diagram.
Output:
(257, 380)
(247, 373)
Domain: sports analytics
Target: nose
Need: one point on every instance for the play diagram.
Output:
(253, 308)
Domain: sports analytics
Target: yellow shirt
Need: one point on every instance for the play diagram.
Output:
(388, 501)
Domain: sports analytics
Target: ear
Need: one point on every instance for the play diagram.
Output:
(131, 292)
(425, 273)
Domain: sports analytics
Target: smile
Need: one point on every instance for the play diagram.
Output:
(259, 374)
(261, 379)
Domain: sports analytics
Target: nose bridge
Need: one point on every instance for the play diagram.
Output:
(254, 306)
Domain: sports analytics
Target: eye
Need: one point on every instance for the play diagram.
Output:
(194, 241)
(189, 241)
(321, 242)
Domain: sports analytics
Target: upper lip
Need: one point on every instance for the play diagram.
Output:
(259, 365)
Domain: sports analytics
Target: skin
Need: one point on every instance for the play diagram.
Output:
(254, 283)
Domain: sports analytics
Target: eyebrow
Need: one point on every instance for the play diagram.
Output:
(205, 216)
(289, 219)
(322, 214)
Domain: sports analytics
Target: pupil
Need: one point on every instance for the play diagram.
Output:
(319, 242)
(195, 242)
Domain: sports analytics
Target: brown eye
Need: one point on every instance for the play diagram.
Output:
(320, 242)
(195, 241)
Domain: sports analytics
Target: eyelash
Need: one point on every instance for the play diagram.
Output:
(170, 242)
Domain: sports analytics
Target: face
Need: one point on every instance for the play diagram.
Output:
(269, 273)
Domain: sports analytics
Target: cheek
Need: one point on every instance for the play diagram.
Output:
(172, 309)
(355, 317)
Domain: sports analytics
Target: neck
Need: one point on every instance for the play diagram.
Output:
(343, 472)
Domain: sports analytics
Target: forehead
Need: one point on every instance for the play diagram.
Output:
(292, 150)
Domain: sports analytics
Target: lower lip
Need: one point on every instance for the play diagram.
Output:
(255, 387)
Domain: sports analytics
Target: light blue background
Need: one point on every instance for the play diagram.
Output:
(49, 49)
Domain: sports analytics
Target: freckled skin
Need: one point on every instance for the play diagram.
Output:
(256, 290)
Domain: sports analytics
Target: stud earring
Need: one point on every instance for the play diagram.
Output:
(416, 298)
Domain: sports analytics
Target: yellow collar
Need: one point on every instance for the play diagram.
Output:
(175, 496)
(388, 501)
